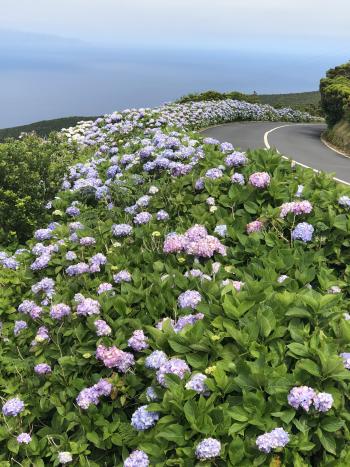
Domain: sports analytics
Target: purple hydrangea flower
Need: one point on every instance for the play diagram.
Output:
(42, 234)
(137, 458)
(88, 307)
(112, 357)
(238, 178)
(142, 419)
(46, 285)
(42, 369)
(91, 396)
(295, 207)
(303, 231)
(24, 438)
(138, 341)
(189, 299)
(30, 308)
(221, 230)
(19, 326)
(260, 179)
(64, 457)
(59, 311)
(87, 241)
(301, 396)
(102, 328)
(208, 449)
(236, 159)
(346, 359)
(122, 276)
(71, 256)
(156, 359)
(13, 407)
(162, 215)
(142, 218)
(276, 438)
(174, 366)
(121, 230)
(197, 383)
(214, 173)
(78, 269)
(323, 401)
(151, 394)
(73, 211)
(104, 287)
(254, 226)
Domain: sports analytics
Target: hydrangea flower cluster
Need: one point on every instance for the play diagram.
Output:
(208, 448)
(174, 366)
(236, 159)
(121, 230)
(13, 407)
(303, 231)
(42, 369)
(189, 299)
(137, 458)
(260, 180)
(24, 438)
(197, 383)
(304, 397)
(138, 341)
(254, 226)
(195, 241)
(59, 311)
(112, 357)
(102, 328)
(142, 419)
(277, 438)
(91, 396)
(296, 207)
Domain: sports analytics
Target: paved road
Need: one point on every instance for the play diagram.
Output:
(300, 142)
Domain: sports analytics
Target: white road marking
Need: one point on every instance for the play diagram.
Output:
(267, 145)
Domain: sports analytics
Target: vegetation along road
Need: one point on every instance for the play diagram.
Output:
(301, 142)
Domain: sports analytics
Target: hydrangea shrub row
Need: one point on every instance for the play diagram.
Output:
(186, 306)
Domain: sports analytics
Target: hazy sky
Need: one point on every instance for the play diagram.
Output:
(293, 24)
(88, 57)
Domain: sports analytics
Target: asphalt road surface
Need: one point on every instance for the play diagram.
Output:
(300, 142)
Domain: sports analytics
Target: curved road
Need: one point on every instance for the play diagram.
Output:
(300, 142)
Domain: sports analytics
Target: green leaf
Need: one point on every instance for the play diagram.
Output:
(327, 441)
(332, 424)
(174, 433)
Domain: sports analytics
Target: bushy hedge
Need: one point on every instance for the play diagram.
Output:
(218, 96)
(31, 174)
(335, 94)
(263, 318)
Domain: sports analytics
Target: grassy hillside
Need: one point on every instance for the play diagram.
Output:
(305, 101)
(42, 128)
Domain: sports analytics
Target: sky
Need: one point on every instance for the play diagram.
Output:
(60, 57)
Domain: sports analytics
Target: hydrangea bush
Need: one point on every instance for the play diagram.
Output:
(217, 334)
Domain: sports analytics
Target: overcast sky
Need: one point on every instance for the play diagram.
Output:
(321, 25)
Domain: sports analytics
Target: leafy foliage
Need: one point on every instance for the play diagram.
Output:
(31, 173)
(335, 94)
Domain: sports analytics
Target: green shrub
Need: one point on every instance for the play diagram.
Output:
(335, 94)
(31, 173)
(217, 96)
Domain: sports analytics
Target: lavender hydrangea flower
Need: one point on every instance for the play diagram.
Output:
(13, 407)
(91, 396)
(156, 359)
(41, 336)
(30, 308)
(162, 215)
(142, 218)
(151, 394)
(303, 231)
(346, 359)
(197, 383)
(138, 341)
(102, 328)
(64, 457)
(42, 369)
(214, 173)
(236, 159)
(301, 396)
(142, 419)
(88, 307)
(78, 269)
(19, 326)
(221, 230)
(174, 366)
(323, 401)
(295, 207)
(122, 276)
(72, 211)
(238, 178)
(59, 311)
(46, 285)
(137, 458)
(42, 234)
(254, 226)
(189, 299)
(87, 241)
(70, 256)
(208, 448)
(121, 230)
(24, 438)
(104, 287)
(276, 438)
(260, 180)
(112, 357)
(344, 201)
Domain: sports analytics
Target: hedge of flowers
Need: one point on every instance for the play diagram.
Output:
(187, 306)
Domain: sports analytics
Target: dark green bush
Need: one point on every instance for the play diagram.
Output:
(335, 94)
(31, 171)
(217, 96)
